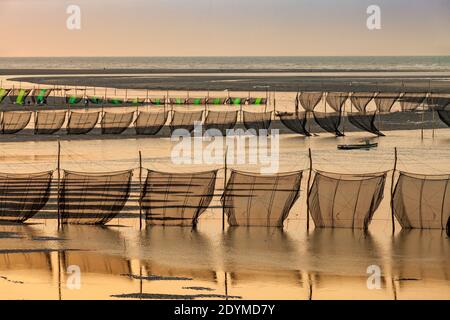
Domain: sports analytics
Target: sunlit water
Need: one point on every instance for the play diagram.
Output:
(121, 261)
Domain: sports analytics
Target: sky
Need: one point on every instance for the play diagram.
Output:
(224, 28)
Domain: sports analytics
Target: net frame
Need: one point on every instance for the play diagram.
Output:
(82, 118)
(189, 198)
(10, 127)
(150, 126)
(49, 122)
(412, 210)
(23, 195)
(240, 215)
(324, 215)
(87, 186)
(111, 125)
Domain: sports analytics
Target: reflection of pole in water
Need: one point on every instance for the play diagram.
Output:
(226, 284)
(59, 276)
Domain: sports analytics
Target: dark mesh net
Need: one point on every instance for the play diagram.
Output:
(150, 123)
(360, 100)
(14, 121)
(3, 94)
(422, 201)
(309, 100)
(260, 200)
(40, 96)
(330, 121)
(185, 120)
(364, 121)
(411, 101)
(336, 100)
(19, 96)
(345, 200)
(385, 101)
(82, 122)
(23, 195)
(257, 120)
(216, 101)
(177, 198)
(116, 123)
(444, 115)
(295, 121)
(90, 262)
(93, 198)
(49, 122)
(221, 120)
(196, 101)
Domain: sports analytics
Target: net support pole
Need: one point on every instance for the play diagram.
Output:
(224, 187)
(140, 190)
(307, 188)
(58, 169)
(392, 190)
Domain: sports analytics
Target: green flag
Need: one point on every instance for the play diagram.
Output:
(21, 96)
(40, 98)
(236, 101)
(3, 94)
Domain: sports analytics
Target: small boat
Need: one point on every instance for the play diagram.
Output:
(366, 145)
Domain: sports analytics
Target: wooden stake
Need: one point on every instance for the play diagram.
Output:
(59, 183)
(392, 191)
(140, 190)
(224, 188)
(308, 186)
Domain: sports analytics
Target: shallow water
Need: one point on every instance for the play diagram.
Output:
(121, 261)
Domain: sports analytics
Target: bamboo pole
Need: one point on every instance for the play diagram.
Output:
(308, 191)
(140, 190)
(59, 183)
(224, 187)
(392, 190)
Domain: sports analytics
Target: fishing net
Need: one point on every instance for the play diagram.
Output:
(221, 120)
(177, 198)
(49, 122)
(23, 195)
(116, 123)
(385, 101)
(364, 121)
(257, 120)
(422, 201)
(336, 100)
(150, 123)
(345, 200)
(93, 198)
(295, 122)
(15, 121)
(260, 200)
(185, 120)
(330, 121)
(360, 100)
(411, 101)
(82, 122)
(309, 100)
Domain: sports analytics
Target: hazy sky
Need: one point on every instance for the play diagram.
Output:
(224, 27)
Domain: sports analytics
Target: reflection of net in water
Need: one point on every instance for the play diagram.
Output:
(177, 198)
(411, 101)
(23, 195)
(260, 200)
(150, 123)
(15, 121)
(422, 201)
(49, 122)
(345, 200)
(82, 122)
(93, 198)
